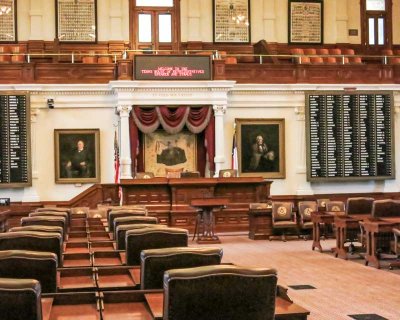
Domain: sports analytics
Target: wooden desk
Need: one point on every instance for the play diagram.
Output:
(205, 218)
(317, 219)
(284, 310)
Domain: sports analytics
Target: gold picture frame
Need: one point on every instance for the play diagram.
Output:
(77, 155)
(261, 147)
(163, 151)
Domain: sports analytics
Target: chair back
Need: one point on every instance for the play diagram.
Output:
(20, 299)
(322, 203)
(50, 229)
(123, 213)
(335, 206)
(133, 220)
(220, 292)
(64, 215)
(301, 59)
(21, 264)
(153, 263)
(144, 175)
(152, 238)
(32, 241)
(282, 211)
(120, 232)
(386, 208)
(360, 205)
(306, 208)
(45, 221)
(55, 209)
(227, 173)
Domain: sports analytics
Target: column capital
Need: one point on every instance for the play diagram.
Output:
(124, 110)
(34, 114)
(219, 109)
(300, 113)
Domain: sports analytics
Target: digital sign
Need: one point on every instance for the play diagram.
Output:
(172, 67)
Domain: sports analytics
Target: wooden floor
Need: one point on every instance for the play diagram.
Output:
(342, 287)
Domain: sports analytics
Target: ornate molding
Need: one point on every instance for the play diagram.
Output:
(83, 92)
(124, 110)
(34, 114)
(219, 109)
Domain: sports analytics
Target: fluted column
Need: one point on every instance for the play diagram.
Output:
(125, 148)
(219, 112)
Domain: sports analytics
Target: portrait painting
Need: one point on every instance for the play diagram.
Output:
(163, 151)
(77, 155)
(261, 147)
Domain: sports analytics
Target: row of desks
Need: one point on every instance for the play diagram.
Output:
(343, 223)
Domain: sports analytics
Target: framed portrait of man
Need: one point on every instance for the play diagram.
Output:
(261, 147)
(163, 152)
(77, 155)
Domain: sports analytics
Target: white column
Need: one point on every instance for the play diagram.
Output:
(125, 148)
(36, 19)
(303, 186)
(219, 112)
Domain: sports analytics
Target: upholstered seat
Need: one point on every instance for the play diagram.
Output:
(300, 57)
(314, 58)
(153, 263)
(133, 220)
(45, 221)
(336, 206)
(227, 173)
(120, 232)
(51, 214)
(144, 175)
(50, 229)
(121, 214)
(22, 264)
(220, 292)
(152, 238)
(385, 208)
(283, 218)
(305, 210)
(32, 241)
(20, 299)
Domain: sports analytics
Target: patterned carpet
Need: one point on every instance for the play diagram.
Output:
(342, 288)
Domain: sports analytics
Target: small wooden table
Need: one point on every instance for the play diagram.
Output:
(317, 219)
(205, 218)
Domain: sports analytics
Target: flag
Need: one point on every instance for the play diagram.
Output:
(117, 167)
(234, 150)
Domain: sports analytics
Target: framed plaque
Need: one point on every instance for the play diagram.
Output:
(8, 21)
(76, 20)
(261, 147)
(231, 21)
(306, 19)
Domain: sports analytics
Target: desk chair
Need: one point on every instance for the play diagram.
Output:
(22, 264)
(335, 206)
(120, 232)
(322, 204)
(20, 299)
(50, 229)
(305, 210)
(220, 292)
(123, 213)
(153, 263)
(152, 238)
(283, 218)
(64, 215)
(132, 220)
(45, 221)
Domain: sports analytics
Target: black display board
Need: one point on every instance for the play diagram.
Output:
(350, 136)
(15, 168)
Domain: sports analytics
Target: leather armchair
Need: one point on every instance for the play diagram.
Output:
(336, 206)
(386, 208)
(305, 210)
(121, 230)
(152, 238)
(144, 175)
(153, 263)
(32, 241)
(220, 292)
(354, 206)
(51, 229)
(132, 220)
(227, 173)
(283, 218)
(64, 215)
(41, 266)
(45, 221)
(322, 204)
(20, 299)
(122, 213)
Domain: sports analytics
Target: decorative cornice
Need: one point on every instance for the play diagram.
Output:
(219, 109)
(72, 93)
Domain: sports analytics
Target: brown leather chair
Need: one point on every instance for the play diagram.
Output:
(220, 292)
(50, 229)
(121, 230)
(123, 213)
(152, 238)
(4, 54)
(133, 220)
(144, 175)
(350, 59)
(45, 221)
(227, 173)
(300, 57)
(283, 218)
(305, 210)
(322, 204)
(153, 263)
(51, 214)
(325, 53)
(56, 209)
(32, 241)
(20, 299)
(314, 58)
(336, 206)
(390, 60)
(21, 264)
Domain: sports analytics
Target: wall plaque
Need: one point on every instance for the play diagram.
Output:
(8, 21)
(306, 20)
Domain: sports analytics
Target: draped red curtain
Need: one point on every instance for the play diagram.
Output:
(198, 120)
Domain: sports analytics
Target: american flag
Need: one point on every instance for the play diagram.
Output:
(117, 166)
(234, 150)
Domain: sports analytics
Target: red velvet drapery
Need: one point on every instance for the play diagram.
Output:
(198, 120)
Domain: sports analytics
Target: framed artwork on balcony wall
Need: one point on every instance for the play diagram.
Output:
(8, 20)
(76, 20)
(261, 147)
(77, 155)
(306, 21)
(231, 21)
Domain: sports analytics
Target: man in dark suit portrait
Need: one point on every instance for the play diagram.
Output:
(262, 158)
(79, 161)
